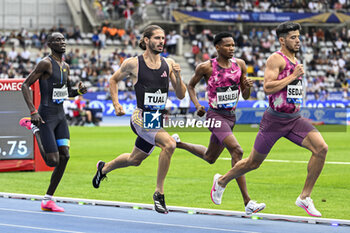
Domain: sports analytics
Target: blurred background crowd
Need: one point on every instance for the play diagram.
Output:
(96, 53)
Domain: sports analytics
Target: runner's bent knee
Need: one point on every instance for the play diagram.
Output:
(135, 162)
(52, 159)
(64, 153)
(253, 164)
(169, 145)
(238, 153)
(322, 150)
(210, 160)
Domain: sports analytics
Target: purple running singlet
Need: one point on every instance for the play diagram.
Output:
(289, 99)
(223, 93)
(282, 118)
(224, 85)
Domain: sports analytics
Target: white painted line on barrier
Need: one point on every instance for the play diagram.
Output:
(38, 228)
(295, 161)
(184, 209)
(128, 221)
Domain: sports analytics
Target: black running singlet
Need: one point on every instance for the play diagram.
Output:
(54, 90)
(152, 86)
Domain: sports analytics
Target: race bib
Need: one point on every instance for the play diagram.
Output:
(59, 94)
(227, 97)
(155, 100)
(295, 92)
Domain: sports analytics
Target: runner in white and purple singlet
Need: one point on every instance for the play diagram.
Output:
(283, 84)
(226, 78)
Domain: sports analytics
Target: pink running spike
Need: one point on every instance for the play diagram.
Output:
(25, 122)
(51, 206)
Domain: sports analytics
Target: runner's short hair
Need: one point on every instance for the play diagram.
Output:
(221, 35)
(284, 28)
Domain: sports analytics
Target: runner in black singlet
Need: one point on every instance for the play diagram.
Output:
(151, 74)
(53, 134)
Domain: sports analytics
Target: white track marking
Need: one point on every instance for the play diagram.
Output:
(38, 228)
(295, 161)
(130, 221)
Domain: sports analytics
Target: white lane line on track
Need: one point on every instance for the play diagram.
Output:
(38, 228)
(294, 161)
(131, 221)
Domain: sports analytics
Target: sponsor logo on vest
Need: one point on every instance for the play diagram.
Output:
(164, 75)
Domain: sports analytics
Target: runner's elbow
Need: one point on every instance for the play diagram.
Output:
(181, 95)
(24, 86)
(268, 90)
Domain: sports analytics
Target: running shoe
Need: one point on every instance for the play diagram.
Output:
(159, 203)
(98, 176)
(51, 206)
(253, 207)
(308, 205)
(176, 137)
(26, 122)
(216, 190)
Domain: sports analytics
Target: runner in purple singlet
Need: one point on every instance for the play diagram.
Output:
(283, 84)
(226, 78)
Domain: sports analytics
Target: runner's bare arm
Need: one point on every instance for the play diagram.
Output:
(42, 70)
(200, 72)
(274, 65)
(127, 68)
(246, 83)
(176, 80)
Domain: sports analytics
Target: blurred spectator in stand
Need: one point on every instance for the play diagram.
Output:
(61, 29)
(80, 115)
(164, 53)
(12, 39)
(171, 41)
(13, 54)
(3, 39)
(43, 36)
(3, 52)
(25, 55)
(102, 38)
(102, 84)
(129, 22)
(77, 34)
(11, 72)
(96, 40)
(323, 94)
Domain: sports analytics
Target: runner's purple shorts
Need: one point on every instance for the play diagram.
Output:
(273, 128)
(227, 123)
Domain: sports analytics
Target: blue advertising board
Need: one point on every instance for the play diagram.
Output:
(250, 112)
(231, 16)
